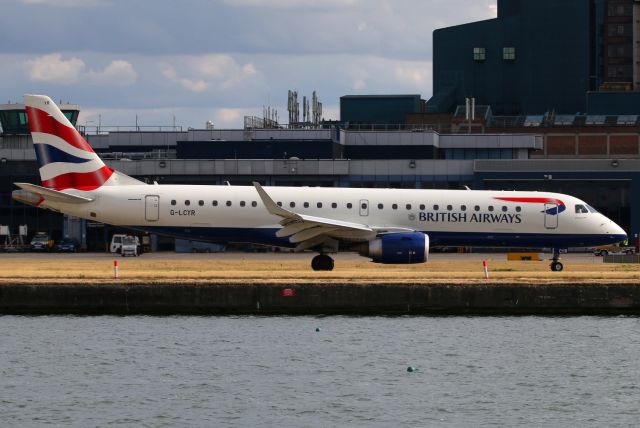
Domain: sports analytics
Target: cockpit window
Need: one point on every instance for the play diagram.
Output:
(581, 209)
(590, 208)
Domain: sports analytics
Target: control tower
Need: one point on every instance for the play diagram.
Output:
(13, 117)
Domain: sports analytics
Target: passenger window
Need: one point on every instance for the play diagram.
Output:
(463, 207)
(449, 207)
(306, 204)
(242, 204)
(319, 204)
(173, 201)
(228, 203)
(422, 207)
(349, 205)
(436, 207)
(581, 209)
(334, 205)
(363, 206)
(187, 202)
(254, 204)
(476, 208)
(504, 209)
(279, 203)
(518, 209)
(380, 206)
(408, 206)
(490, 207)
(394, 206)
(201, 203)
(292, 204)
(214, 203)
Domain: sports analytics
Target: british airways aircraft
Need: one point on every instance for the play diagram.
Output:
(387, 225)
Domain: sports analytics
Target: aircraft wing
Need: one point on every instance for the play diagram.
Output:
(53, 195)
(310, 231)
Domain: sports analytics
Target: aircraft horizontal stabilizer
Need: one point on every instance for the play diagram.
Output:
(53, 195)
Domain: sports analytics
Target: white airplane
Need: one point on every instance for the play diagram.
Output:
(387, 225)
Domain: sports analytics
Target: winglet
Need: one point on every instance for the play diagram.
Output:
(271, 206)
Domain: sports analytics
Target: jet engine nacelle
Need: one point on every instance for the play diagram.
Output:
(399, 248)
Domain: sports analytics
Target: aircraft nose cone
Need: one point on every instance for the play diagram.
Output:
(617, 233)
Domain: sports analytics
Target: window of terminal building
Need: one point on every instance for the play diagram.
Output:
(479, 54)
(509, 54)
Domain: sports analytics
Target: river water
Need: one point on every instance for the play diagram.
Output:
(281, 372)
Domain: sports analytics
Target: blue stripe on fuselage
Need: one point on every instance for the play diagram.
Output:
(267, 236)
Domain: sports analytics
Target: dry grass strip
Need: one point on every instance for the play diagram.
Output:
(277, 270)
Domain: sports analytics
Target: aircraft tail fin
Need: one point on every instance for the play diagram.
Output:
(65, 159)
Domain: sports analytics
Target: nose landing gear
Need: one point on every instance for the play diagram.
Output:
(322, 262)
(555, 265)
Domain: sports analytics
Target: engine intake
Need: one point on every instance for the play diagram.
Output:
(398, 248)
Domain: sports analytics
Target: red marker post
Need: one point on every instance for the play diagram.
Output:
(485, 269)
(115, 269)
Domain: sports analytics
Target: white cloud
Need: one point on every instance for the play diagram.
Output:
(200, 73)
(189, 84)
(118, 72)
(225, 117)
(68, 3)
(54, 68)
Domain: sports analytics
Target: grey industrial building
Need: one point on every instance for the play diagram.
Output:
(557, 109)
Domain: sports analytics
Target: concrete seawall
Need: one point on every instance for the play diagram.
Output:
(303, 299)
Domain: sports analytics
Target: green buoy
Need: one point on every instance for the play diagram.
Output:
(411, 369)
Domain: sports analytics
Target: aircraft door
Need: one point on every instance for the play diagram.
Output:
(551, 216)
(364, 207)
(152, 208)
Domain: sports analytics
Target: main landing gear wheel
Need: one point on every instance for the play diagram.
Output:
(556, 266)
(322, 262)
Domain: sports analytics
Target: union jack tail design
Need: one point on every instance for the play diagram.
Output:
(65, 159)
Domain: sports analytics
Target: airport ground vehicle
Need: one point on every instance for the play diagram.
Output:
(605, 250)
(392, 226)
(41, 242)
(67, 245)
(129, 246)
(117, 241)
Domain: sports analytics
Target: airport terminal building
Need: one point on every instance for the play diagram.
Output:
(556, 108)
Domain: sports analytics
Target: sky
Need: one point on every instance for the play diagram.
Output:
(197, 60)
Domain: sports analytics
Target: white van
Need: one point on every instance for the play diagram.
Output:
(117, 241)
